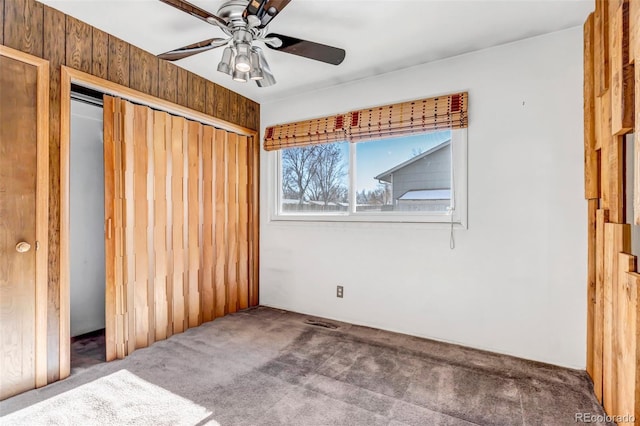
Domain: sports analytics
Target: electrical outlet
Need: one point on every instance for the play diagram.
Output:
(340, 291)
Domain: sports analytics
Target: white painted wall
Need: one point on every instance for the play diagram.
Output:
(515, 282)
(87, 219)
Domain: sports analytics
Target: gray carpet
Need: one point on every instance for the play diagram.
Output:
(269, 367)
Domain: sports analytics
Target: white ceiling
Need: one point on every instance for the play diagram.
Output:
(379, 36)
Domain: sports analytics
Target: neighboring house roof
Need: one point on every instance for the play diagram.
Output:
(386, 176)
(426, 194)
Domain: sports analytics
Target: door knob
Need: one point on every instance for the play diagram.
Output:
(23, 247)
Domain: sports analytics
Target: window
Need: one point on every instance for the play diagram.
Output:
(403, 162)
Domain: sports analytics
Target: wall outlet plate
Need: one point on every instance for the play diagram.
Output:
(340, 291)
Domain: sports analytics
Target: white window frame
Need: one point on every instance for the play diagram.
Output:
(458, 179)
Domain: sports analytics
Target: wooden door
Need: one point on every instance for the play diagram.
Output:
(178, 238)
(24, 141)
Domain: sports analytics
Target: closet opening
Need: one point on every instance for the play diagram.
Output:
(87, 237)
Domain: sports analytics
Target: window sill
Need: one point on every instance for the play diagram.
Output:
(437, 220)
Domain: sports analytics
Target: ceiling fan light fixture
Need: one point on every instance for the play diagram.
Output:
(225, 63)
(255, 73)
(243, 61)
(267, 77)
(240, 76)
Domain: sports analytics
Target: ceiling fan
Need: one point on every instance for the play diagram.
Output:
(245, 22)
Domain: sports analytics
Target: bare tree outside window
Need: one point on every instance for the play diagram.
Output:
(315, 177)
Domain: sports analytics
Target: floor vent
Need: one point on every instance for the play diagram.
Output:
(319, 323)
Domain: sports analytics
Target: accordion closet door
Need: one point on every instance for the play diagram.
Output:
(178, 231)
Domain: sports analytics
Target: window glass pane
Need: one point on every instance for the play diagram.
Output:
(411, 173)
(315, 179)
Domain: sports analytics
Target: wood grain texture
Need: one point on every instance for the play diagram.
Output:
(100, 53)
(222, 102)
(197, 92)
(160, 122)
(243, 222)
(182, 87)
(193, 222)
(1, 21)
(622, 102)
(254, 221)
(209, 98)
(109, 127)
(23, 26)
(232, 223)
(601, 48)
(79, 45)
(220, 159)
(129, 226)
(617, 239)
(590, 155)
(602, 217)
(208, 203)
(167, 81)
(626, 336)
(234, 110)
(591, 282)
(143, 71)
(177, 203)
(118, 70)
(54, 52)
(636, 146)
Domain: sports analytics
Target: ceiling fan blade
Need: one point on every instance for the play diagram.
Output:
(192, 49)
(309, 49)
(255, 7)
(271, 9)
(194, 10)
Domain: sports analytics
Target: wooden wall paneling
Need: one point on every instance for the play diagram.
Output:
(591, 282)
(167, 81)
(100, 54)
(626, 306)
(208, 204)
(143, 71)
(621, 71)
(182, 87)
(253, 115)
(234, 107)
(243, 223)
(601, 47)
(222, 100)
(232, 222)
(242, 110)
(109, 214)
(617, 239)
(209, 98)
(220, 221)
(23, 26)
(590, 155)
(602, 217)
(632, 329)
(193, 221)
(197, 92)
(160, 122)
(177, 219)
(118, 70)
(54, 52)
(79, 45)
